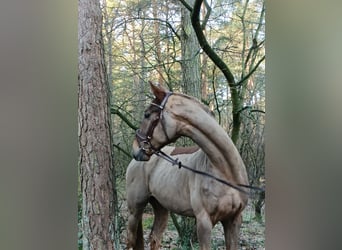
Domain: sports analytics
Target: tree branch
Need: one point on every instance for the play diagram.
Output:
(159, 20)
(253, 47)
(186, 5)
(251, 72)
(236, 103)
(195, 20)
(215, 97)
(122, 150)
(251, 110)
(124, 118)
(257, 110)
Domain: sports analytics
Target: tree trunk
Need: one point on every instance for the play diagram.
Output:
(191, 84)
(191, 75)
(95, 142)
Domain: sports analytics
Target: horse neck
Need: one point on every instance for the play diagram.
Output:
(201, 127)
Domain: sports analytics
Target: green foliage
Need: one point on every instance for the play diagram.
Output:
(188, 232)
(186, 228)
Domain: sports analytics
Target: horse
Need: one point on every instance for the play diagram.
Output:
(150, 179)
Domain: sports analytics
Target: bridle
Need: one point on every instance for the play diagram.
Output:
(144, 139)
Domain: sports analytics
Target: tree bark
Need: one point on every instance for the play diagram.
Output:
(95, 141)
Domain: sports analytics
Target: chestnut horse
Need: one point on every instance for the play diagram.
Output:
(168, 188)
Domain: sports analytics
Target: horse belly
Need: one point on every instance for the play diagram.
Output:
(171, 189)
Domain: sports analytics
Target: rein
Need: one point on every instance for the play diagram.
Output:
(238, 187)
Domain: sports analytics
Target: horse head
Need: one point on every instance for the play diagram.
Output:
(157, 128)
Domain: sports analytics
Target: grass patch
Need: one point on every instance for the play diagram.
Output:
(147, 222)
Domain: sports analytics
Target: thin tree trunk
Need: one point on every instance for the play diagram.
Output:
(143, 71)
(204, 68)
(157, 39)
(95, 142)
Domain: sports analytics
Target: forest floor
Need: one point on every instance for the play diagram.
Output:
(252, 233)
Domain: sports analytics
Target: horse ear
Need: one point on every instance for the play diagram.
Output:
(158, 91)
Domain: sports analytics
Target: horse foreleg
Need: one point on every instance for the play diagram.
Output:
(135, 239)
(159, 224)
(204, 227)
(231, 232)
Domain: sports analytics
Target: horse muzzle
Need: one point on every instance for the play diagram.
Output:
(140, 155)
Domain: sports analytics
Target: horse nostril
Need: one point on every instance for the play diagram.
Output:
(140, 155)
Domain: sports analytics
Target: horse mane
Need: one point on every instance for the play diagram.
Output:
(203, 106)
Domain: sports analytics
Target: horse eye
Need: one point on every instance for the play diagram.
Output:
(147, 115)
